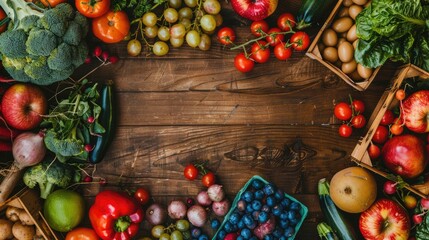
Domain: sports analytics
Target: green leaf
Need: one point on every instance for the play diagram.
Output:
(98, 128)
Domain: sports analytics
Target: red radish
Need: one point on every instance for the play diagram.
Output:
(177, 209)
(197, 215)
(424, 202)
(203, 199)
(389, 187)
(418, 218)
(265, 228)
(97, 51)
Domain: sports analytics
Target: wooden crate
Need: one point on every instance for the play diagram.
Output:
(314, 53)
(29, 200)
(388, 101)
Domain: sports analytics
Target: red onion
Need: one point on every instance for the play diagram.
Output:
(221, 208)
(203, 199)
(216, 193)
(177, 209)
(156, 214)
(197, 216)
(265, 228)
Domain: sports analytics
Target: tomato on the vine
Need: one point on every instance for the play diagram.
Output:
(345, 130)
(396, 129)
(260, 51)
(112, 27)
(91, 8)
(387, 118)
(142, 196)
(381, 134)
(191, 172)
(274, 36)
(286, 22)
(208, 179)
(300, 41)
(259, 27)
(281, 52)
(358, 106)
(243, 63)
(226, 35)
(52, 3)
(343, 111)
(358, 121)
(400, 94)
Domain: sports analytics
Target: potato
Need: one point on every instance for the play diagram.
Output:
(345, 52)
(347, 3)
(364, 72)
(5, 229)
(360, 2)
(330, 54)
(321, 46)
(342, 24)
(343, 12)
(354, 10)
(355, 76)
(351, 34)
(341, 40)
(329, 38)
(355, 43)
(349, 67)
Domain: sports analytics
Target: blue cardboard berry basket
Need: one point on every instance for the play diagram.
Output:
(303, 210)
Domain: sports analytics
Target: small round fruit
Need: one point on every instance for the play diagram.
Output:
(353, 189)
(164, 33)
(358, 121)
(343, 111)
(329, 38)
(178, 30)
(134, 47)
(205, 42)
(387, 118)
(364, 72)
(176, 42)
(149, 19)
(193, 38)
(208, 22)
(389, 187)
(171, 15)
(381, 134)
(410, 202)
(400, 94)
(330, 54)
(345, 130)
(212, 6)
(374, 151)
(160, 48)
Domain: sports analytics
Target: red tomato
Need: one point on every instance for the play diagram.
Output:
(387, 118)
(374, 151)
(208, 179)
(345, 130)
(281, 52)
(112, 27)
(396, 129)
(142, 196)
(82, 233)
(358, 121)
(358, 106)
(343, 111)
(2, 16)
(257, 27)
(190, 172)
(91, 8)
(260, 51)
(286, 22)
(400, 94)
(300, 41)
(226, 35)
(243, 63)
(273, 38)
(381, 134)
(52, 3)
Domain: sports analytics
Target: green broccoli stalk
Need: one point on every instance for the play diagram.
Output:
(48, 175)
(42, 46)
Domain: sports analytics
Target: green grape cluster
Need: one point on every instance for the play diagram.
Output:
(180, 230)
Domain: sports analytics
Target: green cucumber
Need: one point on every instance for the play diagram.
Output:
(334, 217)
(312, 11)
(325, 232)
(107, 120)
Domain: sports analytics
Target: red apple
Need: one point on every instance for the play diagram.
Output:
(385, 219)
(254, 10)
(415, 109)
(23, 105)
(405, 155)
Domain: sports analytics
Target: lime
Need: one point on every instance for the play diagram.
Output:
(64, 209)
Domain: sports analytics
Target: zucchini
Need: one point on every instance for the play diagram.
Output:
(107, 120)
(334, 217)
(312, 11)
(325, 232)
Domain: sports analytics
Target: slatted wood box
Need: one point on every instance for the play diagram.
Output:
(30, 201)
(315, 53)
(388, 101)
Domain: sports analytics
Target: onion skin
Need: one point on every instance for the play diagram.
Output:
(28, 149)
(203, 199)
(197, 215)
(216, 193)
(177, 209)
(156, 214)
(221, 208)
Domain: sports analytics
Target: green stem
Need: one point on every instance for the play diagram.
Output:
(260, 38)
(122, 224)
(323, 187)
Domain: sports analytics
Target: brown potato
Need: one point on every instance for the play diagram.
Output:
(351, 34)
(321, 46)
(355, 76)
(345, 52)
(342, 24)
(355, 43)
(347, 3)
(354, 10)
(330, 54)
(364, 72)
(360, 2)
(349, 67)
(343, 12)
(329, 37)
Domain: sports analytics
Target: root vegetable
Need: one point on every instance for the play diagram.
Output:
(25, 218)
(216, 193)
(156, 214)
(23, 232)
(5, 229)
(177, 209)
(203, 199)
(265, 228)
(12, 213)
(197, 215)
(221, 208)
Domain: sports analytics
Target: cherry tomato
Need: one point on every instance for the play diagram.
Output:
(260, 51)
(190, 172)
(281, 52)
(381, 134)
(82, 233)
(142, 196)
(52, 3)
(358, 106)
(91, 8)
(286, 21)
(387, 118)
(273, 38)
(300, 41)
(2, 16)
(208, 179)
(374, 151)
(345, 130)
(226, 35)
(358, 121)
(396, 129)
(410, 201)
(243, 63)
(259, 27)
(112, 27)
(400, 94)
(343, 111)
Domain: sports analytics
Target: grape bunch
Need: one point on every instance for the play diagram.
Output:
(190, 21)
(262, 212)
(176, 231)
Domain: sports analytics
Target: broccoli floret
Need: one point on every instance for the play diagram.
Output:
(57, 19)
(37, 68)
(83, 23)
(59, 59)
(12, 43)
(29, 22)
(73, 35)
(49, 175)
(79, 54)
(41, 42)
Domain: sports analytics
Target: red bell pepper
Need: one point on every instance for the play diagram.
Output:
(115, 215)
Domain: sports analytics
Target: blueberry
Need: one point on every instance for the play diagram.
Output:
(295, 206)
(248, 196)
(239, 237)
(265, 208)
(228, 226)
(256, 205)
(268, 237)
(221, 234)
(271, 201)
(284, 223)
(289, 231)
(263, 217)
(295, 221)
(279, 194)
(241, 224)
(203, 237)
(257, 184)
(247, 220)
(246, 233)
(215, 224)
(234, 218)
(269, 189)
(259, 194)
(196, 232)
(291, 214)
(277, 210)
(278, 232)
(249, 208)
(286, 202)
(283, 215)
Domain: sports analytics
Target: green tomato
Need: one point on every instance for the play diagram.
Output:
(64, 209)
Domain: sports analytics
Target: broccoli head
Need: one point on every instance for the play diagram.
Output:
(49, 174)
(12, 44)
(41, 42)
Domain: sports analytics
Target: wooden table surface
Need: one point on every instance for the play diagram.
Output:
(276, 121)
